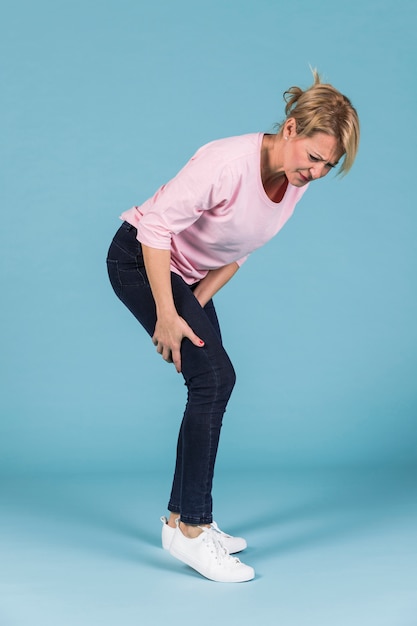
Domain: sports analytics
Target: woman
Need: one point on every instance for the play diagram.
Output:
(175, 251)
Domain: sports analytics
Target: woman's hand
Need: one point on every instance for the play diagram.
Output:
(170, 328)
(168, 335)
(213, 281)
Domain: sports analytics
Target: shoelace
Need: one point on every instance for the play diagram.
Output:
(217, 530)
(216, 546)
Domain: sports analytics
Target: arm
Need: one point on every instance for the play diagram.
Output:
(213, 282)
(170, 328)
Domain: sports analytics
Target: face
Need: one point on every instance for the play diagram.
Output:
(308, 158)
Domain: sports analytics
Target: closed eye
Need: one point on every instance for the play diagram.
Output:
(317, 159)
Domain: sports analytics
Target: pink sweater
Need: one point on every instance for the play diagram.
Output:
(215, 211)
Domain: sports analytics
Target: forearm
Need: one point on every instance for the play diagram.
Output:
(157, 264)
(213, 282)
(170, 328)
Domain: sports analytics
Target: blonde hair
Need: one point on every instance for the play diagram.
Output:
(323, 109)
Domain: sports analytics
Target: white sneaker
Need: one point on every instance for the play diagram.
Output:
(232, 544)
(208, 556)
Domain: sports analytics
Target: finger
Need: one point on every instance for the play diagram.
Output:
(176, 359)
(197, 341)
(167, 354)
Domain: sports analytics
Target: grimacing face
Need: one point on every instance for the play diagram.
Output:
(308, 158)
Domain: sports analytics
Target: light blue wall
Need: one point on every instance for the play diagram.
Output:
(104, 101)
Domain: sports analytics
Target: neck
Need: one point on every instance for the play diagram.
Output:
(272, 171)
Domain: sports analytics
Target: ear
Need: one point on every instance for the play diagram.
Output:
(290, 128)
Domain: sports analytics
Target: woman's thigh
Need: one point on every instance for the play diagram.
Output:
(130, 282)
(128, 277)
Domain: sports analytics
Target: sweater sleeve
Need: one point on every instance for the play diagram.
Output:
(202, 184)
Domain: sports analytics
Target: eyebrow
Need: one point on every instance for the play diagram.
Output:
(321, 159)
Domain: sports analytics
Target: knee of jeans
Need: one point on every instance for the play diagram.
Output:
(228, 378)
(214, 384)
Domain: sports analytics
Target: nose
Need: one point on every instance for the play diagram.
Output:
(318, 170)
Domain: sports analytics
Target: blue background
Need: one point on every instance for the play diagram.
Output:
(103, 102)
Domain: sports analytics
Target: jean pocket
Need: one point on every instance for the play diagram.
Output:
(132, 273)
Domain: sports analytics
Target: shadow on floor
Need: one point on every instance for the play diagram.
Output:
(112, 515)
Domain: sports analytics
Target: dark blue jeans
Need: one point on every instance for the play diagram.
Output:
(207, 371)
